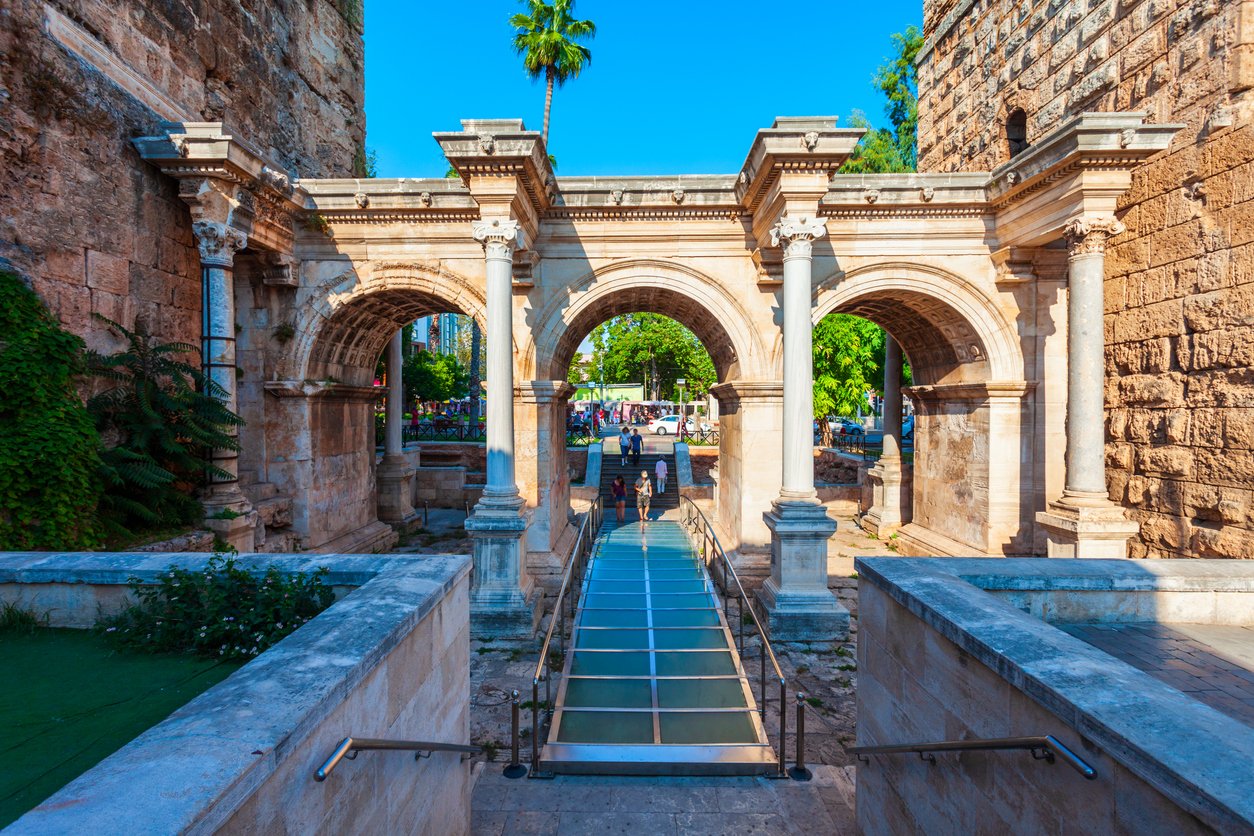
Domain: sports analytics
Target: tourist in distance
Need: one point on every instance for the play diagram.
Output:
(644, 492)
(618, 491)
(624, 445)
(660, 470)
(637, 444)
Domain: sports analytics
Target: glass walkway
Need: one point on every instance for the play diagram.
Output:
(652, 683)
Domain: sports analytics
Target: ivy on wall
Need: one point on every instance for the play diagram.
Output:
(48, 447)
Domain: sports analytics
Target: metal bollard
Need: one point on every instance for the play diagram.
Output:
(514, 769)
(799, 772)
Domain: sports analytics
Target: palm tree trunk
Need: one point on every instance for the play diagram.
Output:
(548, 104)
(476, 342)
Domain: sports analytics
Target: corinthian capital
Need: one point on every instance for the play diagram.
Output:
(498, 237)
(218, 243)
(797, 234)
(1088, 235)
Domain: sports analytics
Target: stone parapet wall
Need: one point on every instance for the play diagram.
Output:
(1180, 280)
(390, 660)
(940, 658)
(95, 228)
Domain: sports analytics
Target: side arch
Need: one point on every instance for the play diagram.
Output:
(682, 293)
(950, 329)
(344, 326)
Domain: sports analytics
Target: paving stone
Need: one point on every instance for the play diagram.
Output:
(605, 824)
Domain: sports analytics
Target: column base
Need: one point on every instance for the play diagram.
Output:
(884, 517)
(395, 491)
(1087, 530)
(231, 518)
(800, 608)
(504, 601)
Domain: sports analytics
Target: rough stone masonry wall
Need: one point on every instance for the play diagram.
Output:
(1180, 281)
(95, 228)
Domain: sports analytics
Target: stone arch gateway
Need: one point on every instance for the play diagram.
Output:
(990, 280)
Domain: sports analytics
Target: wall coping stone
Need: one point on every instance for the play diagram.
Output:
(192, 771)
(1183, 748)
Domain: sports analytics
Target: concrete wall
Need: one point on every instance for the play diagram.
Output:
(941, 659)
(96, 229)
(1180, 396)
(390, 660)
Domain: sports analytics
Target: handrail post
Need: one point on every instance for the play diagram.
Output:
(514, 769)
(535, 725)
(783, 725)
(762, 690)
(799, 771)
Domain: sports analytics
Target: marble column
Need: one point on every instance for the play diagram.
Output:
(395, 501)
(885, 515)
(504, 599)
(800, 607)
(1084, 522)
(227, 511)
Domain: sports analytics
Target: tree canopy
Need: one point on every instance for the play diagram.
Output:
(882, 150)
(433, 377)
(651, 348)
(546, 38)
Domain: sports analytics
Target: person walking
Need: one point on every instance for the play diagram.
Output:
(637, 444)
(618, 492)
(624, 445)
(644, 492)
(660, 470)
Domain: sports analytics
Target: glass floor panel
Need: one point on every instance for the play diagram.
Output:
(612, 639)
(685, 618)
(680, 639)
(657, 585)
(614, 601)
(629, 619)
(712, 727)
(701, 693)
(609, 664)
(681, 602)
(606, 727)
(611, 693)
(697, 663)
(632, 586)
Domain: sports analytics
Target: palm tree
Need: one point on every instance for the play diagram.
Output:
(546, 40)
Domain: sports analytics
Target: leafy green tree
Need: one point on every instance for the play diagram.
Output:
(433, 377)
(882, 150)
(848, 363)
(49, 449)
(546, 39)
(159, 420)
(655, 349)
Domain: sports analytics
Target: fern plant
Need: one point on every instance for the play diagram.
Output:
(160, 420)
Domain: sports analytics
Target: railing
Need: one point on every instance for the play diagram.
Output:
(700, 437)
(567, 599)
(712, 555)
(438, 431)
(350, 746)
(580, 438)
(1042, 749)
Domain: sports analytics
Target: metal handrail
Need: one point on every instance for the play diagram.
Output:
(350, 746)
(1048, 746)
(588, 528)
(709, 536)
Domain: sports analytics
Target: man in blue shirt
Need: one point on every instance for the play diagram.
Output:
(637, 444)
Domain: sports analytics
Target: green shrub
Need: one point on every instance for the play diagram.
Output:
(17, 620)
(222, 611)
(48, 448)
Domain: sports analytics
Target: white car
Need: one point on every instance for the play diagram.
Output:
(669, 425)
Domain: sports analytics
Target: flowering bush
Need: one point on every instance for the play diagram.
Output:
(222, 611)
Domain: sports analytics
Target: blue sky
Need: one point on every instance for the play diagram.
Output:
(674, 87)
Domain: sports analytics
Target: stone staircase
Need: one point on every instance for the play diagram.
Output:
(611, 466)
(274, 514)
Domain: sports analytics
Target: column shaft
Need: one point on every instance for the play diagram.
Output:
(500, 417)
(892, 400)
(396, 397)
(1086, 426)
(798, 482)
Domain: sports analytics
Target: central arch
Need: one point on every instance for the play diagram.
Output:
(682, 293)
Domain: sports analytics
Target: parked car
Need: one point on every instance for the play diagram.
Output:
(907, 429)
(848, 427)
(669, 425)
